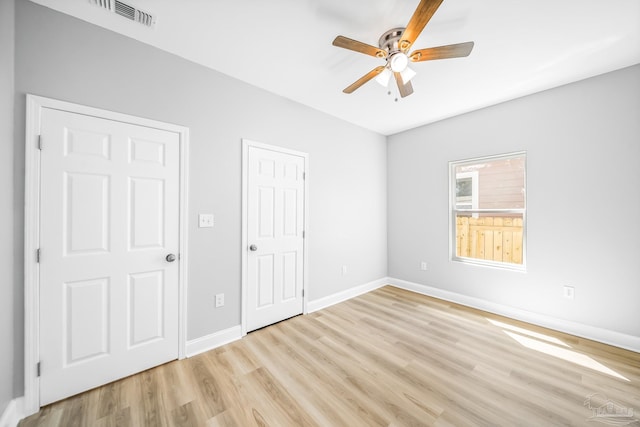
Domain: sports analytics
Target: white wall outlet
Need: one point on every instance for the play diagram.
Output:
(423, 266)
(205, 220)
(568, 292)
(219, 300)
(344, 270)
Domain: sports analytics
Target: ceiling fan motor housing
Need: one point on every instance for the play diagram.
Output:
(390, 40)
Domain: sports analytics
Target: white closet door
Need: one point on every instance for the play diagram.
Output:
(109, 224)
(275, 227)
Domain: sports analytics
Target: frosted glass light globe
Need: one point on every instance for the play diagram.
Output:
(399, 62)
(384, 77)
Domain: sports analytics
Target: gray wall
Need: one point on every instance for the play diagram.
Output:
(61, 57)
(7, 283)
(583, 147)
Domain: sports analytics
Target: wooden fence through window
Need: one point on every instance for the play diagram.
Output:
(489, 238)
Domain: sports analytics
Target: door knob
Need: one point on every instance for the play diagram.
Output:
(170, 258)
(253, 248)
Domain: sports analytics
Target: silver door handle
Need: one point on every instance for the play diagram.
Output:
(170, 258)
(253, 248)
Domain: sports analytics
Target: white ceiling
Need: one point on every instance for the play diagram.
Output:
(284, 47)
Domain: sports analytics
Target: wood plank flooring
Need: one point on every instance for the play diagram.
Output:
(387, 358)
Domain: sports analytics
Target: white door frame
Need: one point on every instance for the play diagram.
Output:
(35, 106)
(246, 143)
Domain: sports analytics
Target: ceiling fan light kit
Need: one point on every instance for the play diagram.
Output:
(384, 77)
(398, 62)
(407, 74)
(394, 45)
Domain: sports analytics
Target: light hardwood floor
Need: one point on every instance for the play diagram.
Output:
(387, 358)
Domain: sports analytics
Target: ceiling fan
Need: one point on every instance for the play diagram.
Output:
(394, 46)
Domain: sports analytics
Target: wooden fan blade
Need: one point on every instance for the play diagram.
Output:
(418, 21)
(362, 80)
(367, 49)
(442, 52)
(405, 89)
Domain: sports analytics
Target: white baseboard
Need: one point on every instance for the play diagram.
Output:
(336, 298)
(209, 342)
(13, 413)
(605, 336)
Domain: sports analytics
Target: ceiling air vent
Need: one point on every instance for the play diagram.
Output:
(127, 11)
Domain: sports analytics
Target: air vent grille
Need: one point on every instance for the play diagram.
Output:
(106, 4)
(127, 11)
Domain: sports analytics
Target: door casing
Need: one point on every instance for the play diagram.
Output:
(35, 105)
(246, 143)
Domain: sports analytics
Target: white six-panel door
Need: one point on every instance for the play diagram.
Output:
(109, 219)
(275, 245)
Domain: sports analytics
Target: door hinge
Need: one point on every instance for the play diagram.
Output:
(303, 293)
(38, 369)
(303, 234)
(40, 142)
(38, 255)
(304, 175)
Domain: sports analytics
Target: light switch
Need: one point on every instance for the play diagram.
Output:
(205, 220)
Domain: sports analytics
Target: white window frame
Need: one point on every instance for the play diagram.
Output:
(475, 211)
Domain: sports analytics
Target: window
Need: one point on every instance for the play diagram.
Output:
(467, 190)
(488, 207)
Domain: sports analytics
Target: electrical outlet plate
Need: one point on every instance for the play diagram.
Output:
(219, 300)
(423, 266)
(205, 220)
(344, 270)
(569, 292)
